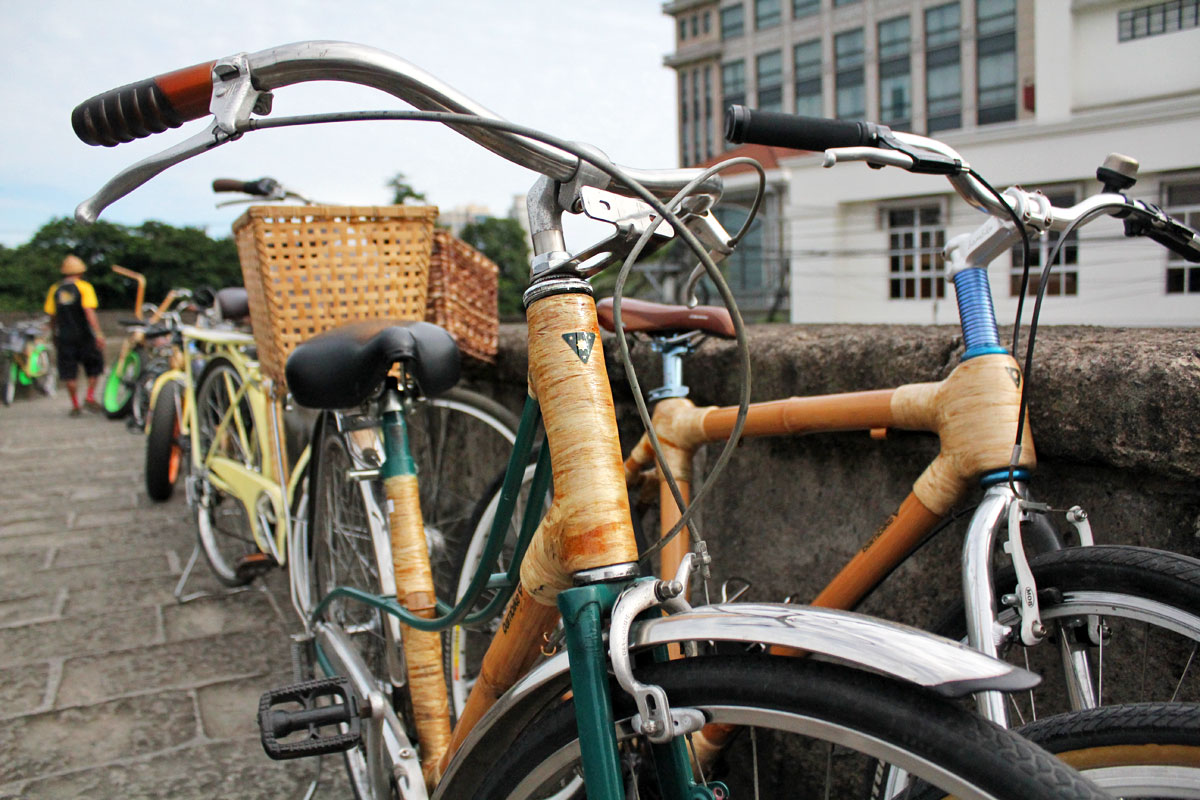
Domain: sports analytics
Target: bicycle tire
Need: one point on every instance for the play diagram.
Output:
(1135, 750)
(829, 703)
(164, 453)
(223, 527)
(340, 552)
(120, 383)
(1150, 601)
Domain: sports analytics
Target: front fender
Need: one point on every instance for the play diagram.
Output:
(887, 648)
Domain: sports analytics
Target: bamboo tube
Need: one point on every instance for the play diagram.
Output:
(513, 650)
(571, 384)
(422, 649)
(900, 534)
(796, 415)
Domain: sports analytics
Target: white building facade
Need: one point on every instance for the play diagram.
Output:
(1031, 93)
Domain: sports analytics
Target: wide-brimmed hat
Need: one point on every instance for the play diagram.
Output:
(73, 265)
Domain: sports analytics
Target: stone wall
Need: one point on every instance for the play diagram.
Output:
(1115, 414)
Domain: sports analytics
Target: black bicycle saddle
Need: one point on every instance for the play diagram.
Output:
(344, 367)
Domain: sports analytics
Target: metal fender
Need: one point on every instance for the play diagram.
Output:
(161, 381)
(887, 648)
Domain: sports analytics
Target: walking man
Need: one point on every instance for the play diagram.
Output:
(71, 304)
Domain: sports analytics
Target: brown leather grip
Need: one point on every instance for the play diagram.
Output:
(139, 109)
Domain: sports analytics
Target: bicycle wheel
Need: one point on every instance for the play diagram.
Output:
(225, 532)
(120, 383)
(341, 552)
(1147, 603)
(164, 454)
(807, 729)
(459, 442)
(1137, 750)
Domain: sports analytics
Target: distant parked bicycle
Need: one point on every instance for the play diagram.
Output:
(26, 359)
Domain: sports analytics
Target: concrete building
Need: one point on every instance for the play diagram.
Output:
(460, 216)
(1031, 93)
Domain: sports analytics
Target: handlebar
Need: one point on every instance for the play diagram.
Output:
(263, 187)
(879, 146)
(241, 84)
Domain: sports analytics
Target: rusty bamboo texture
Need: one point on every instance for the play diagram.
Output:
(588, 524)
(422, 649)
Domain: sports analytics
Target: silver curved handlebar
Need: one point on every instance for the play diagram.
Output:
(367, 66)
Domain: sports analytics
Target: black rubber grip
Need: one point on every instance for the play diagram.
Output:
(234, 185)
(140, 109)
(746, 125)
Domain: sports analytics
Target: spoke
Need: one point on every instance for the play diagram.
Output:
(1186, 667)
(754, 760)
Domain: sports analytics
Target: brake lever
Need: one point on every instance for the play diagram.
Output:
(1151, 221)
(234, 98)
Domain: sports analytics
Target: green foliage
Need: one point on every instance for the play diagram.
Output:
(169, 257)
(504, 241)
(403, 191)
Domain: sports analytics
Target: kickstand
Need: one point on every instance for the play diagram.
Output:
(182, 598)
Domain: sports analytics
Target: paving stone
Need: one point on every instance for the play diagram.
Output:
(74, 738)
(27, 608)
(94, 634)
(22, 689)
(22, 562)
(194, 662)
(111, 576)
(244, 611)
(15, 525)
(109, 547)
(133, 593)
(230, 710)
(223, 769)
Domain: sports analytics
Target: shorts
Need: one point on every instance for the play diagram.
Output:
(71, 355)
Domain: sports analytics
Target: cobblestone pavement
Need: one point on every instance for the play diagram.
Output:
(108, 686)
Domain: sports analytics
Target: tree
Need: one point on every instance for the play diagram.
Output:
(169, 257)
(504, 241)
(403, 191)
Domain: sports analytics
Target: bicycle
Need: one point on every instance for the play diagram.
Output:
(121, 395)
(585, 559)
(23, 345)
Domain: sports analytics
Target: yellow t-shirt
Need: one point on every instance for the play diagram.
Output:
(87, 296)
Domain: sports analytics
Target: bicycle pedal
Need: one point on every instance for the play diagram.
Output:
(323, 703)
(251, 566)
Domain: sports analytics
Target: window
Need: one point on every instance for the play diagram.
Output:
(708, 112)
(733, 23)
(916, 238)
(769, 78)
(695, 25)
(1064, 275)
(805, 8)
(733, 83)
(848, 53)
(943, 70)
(1182, 201)
(807, 66)
(684, 118)
(996, 33)
(1156, 19)
(697, 120)
(844, 2)
(766, 14)
(895, 74)
(707, 22)
(682, 29)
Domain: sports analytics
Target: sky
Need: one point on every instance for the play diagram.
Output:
(586, 71)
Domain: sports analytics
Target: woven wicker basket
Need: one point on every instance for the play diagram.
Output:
(462, 295)
(311, 268)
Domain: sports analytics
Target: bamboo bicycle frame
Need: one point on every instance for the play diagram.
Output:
(973, 412)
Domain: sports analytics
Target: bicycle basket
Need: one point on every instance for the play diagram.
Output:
(462, 295)
(312, 268)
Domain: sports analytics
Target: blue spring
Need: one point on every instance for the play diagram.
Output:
(975, 311)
